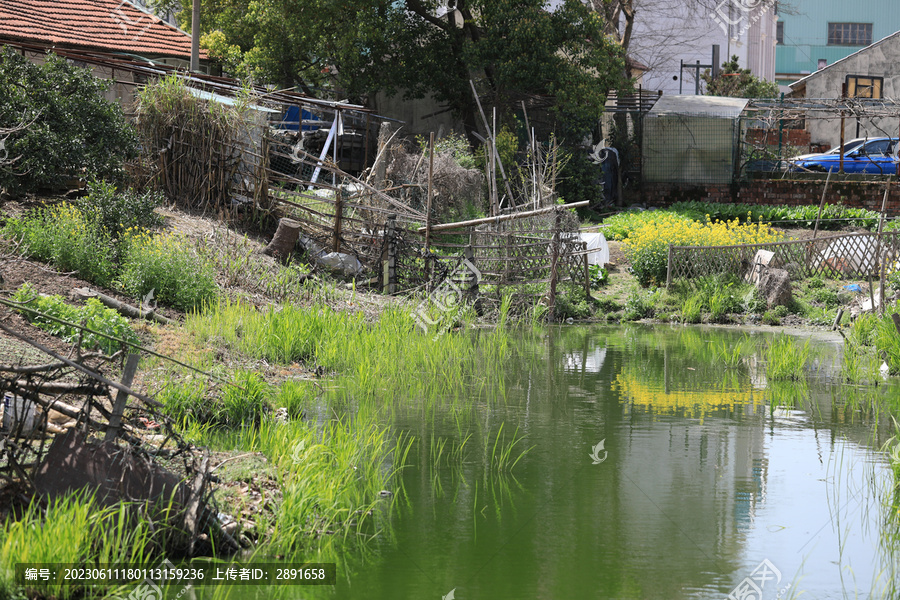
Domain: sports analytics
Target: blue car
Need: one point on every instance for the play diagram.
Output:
(877, 156)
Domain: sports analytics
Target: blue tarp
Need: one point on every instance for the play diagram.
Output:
(293, 116)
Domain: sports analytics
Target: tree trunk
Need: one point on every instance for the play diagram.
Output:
(286, 236)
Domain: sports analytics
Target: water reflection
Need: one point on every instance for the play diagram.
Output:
(711, 470)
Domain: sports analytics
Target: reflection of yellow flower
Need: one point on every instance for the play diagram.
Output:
(637, 393)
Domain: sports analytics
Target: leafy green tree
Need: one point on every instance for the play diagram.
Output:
(738, 83)
(421, 47)
(70, 130)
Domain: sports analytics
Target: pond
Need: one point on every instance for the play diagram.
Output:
(653, 470)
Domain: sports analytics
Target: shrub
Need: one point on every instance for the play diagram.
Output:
(599, 275)
(71, 128)
(454, 144)
(568, 305)
(770, 318)
(647, 248)
(815, 283)
(825, 296)
(169, 266)
(834, 216)
(93, 315)
(117, 211)
(638, 306)
(66, 238)
(753, 302)
(608, 305)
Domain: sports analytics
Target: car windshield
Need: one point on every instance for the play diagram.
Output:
(848, 146)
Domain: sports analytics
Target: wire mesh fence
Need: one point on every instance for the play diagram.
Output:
(846, 256)
(690, 148)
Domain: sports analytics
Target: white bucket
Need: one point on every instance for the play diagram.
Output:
(17, 410)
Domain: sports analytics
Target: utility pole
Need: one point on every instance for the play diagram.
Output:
(195, 37)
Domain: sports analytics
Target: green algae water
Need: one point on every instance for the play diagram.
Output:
(648, 467)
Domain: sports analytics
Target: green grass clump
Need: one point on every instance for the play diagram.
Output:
(719, 295)
(245, 402)
(858, 363)
(68, 239)
(862, 332)
(93, 315)
(692, 309)
(887, 340)
(330, 478)
(732, 355)
(71, 530)
(294, 396)
(391, 355)
(185, 402)
(168, 265)
(786, 359)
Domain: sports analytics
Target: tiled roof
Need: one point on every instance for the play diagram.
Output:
(109, 25)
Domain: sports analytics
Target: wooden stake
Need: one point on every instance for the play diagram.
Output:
(587, 277)
(669, 269)
(554, 263)
(428, 202)
(487, 127)
(837, 319)
(821, 205)
(115, 419)
(878, 257)
(338, 216)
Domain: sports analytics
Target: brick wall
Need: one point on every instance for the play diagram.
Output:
(770, 137)
(779, 192)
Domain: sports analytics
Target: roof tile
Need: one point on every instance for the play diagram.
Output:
(109, 25)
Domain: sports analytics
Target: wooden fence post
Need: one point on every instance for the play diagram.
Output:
(115, 419)
(390, 280)
(469, 254)
(501, 227)
(554, 260)
(429, 261)
(587, 276)
(338, 216)
(669, 269)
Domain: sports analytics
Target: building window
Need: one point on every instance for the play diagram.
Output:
(863, 86)
(779, 32)
(849, 34)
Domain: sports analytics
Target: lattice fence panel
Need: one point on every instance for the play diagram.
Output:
(847, 256)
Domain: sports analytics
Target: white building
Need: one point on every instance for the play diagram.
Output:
(667, 32)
